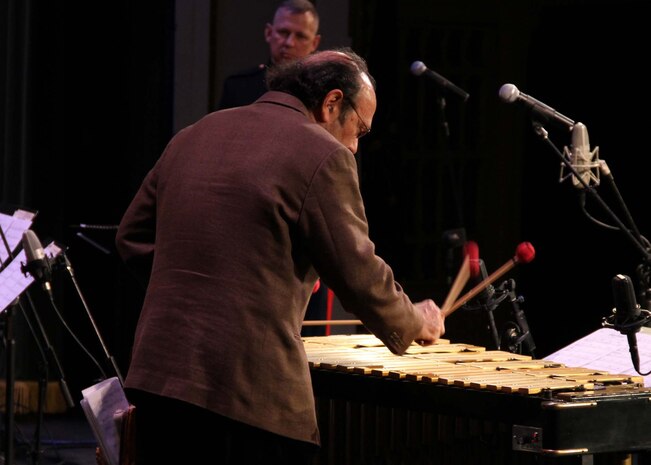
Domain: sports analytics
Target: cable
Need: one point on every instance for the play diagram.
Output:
(74, 336)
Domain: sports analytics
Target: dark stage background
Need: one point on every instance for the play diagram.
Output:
(89, 106)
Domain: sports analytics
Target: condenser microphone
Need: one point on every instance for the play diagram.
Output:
(509, 93)
(36, 264)
(584, 161)
(418, 68)
(627, 314)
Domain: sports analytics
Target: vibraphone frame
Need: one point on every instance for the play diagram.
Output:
(371, 416)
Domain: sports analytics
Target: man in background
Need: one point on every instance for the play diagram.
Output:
(294, 33)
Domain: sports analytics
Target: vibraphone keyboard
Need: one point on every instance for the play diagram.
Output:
(462, 404)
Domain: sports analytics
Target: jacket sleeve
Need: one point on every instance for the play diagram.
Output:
(136, 233)
(335, 224)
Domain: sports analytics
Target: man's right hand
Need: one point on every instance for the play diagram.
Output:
(433, 322)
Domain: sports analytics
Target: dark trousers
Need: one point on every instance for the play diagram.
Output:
(168, 431)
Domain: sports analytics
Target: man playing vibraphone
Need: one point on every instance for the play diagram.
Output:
(232, 227)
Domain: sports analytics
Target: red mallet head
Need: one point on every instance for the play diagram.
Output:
(525, 252)
(472, 252)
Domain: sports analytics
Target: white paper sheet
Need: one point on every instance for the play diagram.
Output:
(607, 349)
(102, 403)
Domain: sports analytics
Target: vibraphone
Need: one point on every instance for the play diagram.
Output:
(462, 404)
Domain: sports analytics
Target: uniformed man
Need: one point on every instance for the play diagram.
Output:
(292, 34)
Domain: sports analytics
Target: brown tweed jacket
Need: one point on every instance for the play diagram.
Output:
(231, 228)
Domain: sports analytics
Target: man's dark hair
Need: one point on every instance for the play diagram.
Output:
(299, 6)
(311, 78)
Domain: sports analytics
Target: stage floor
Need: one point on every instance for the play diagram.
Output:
(65, 439)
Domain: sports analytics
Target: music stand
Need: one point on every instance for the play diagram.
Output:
(12, 284)
(12, 228)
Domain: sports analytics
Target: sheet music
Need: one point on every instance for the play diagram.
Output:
(12, 280)
(102, 403)
(13, 227)
(607, 349)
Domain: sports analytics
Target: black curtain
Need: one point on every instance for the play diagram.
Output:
(32, 104)
(86, 110)
(32, 128)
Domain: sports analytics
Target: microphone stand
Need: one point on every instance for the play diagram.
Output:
(494, 297)
(608, 176)
(646, 254)
(643, 271)
(445, 127)
(519, 333)
(10, 346)
(445, 144)
(445, 131)
(63, 384)
(643, 274)
(109, 357)
(489, 307)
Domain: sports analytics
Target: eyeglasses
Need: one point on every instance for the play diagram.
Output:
(365, 129)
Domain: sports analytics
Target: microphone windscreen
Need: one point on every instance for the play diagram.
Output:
(509, 93)
(418, 68)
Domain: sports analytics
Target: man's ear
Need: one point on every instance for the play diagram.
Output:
(268, 30)
(331, 106)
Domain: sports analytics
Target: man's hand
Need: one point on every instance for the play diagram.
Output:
(433, 322)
